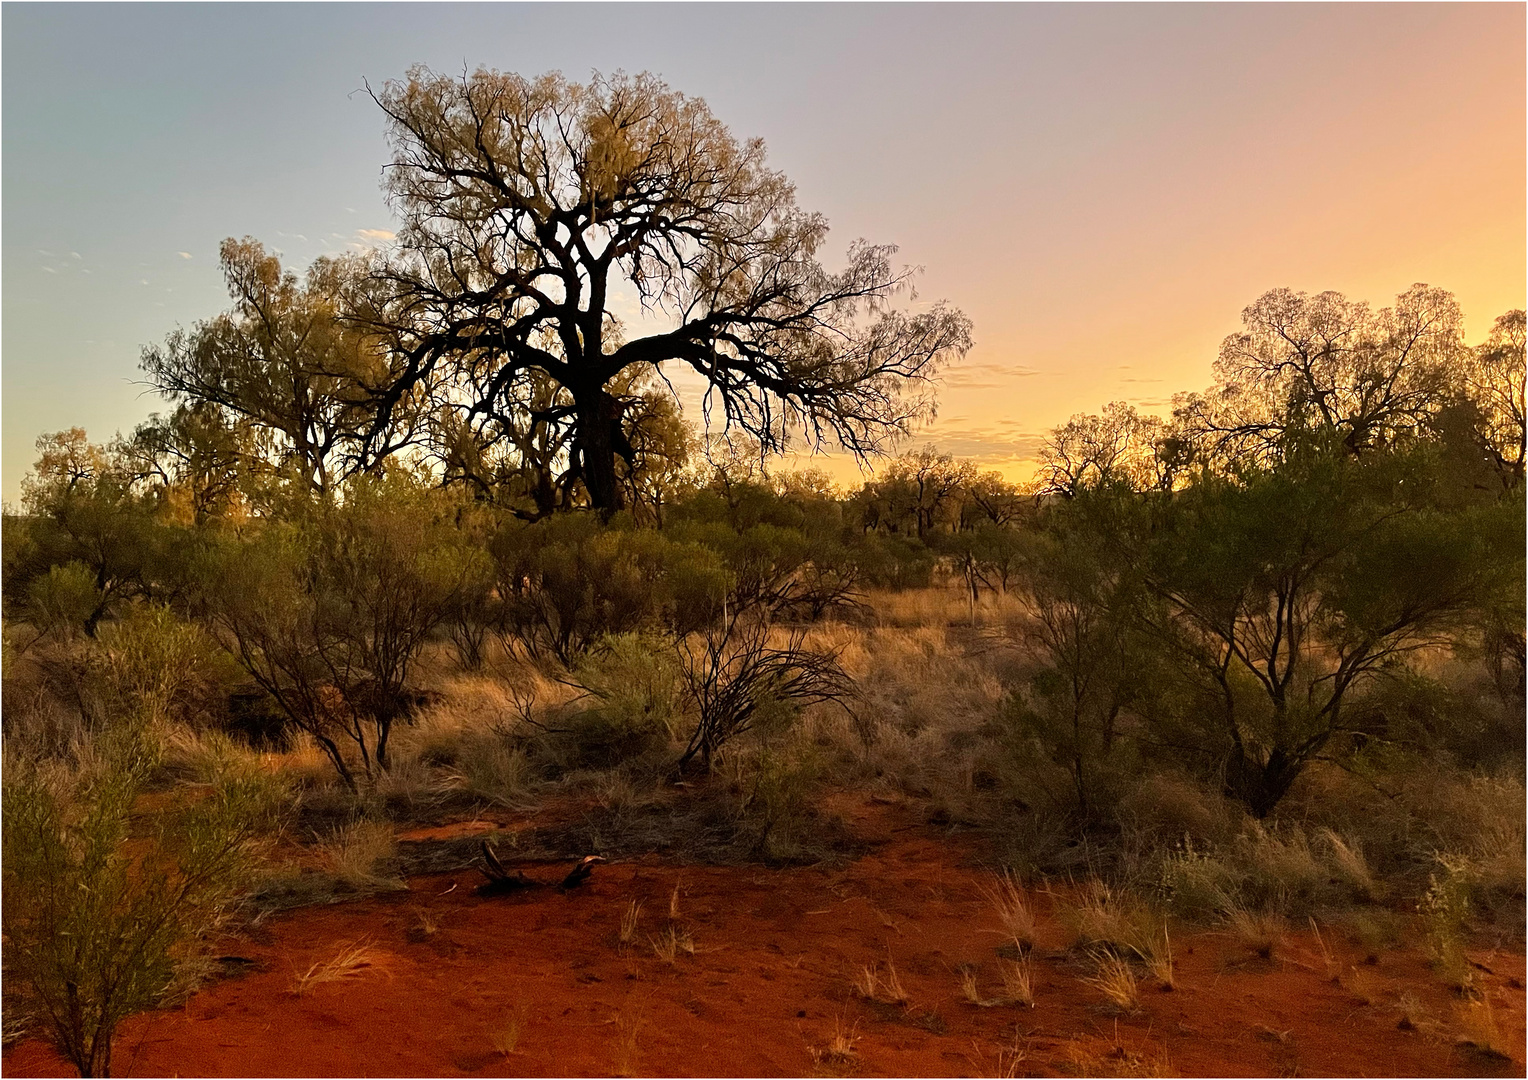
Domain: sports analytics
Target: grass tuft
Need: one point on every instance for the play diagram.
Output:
(1013, 912)
(353, 960)
(881, 985)
(629, 921)
(1115, 978)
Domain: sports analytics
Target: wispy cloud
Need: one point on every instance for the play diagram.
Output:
(983, 376)
(375, 234)
(184, 254)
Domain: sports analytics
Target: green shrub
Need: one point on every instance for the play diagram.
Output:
(62, 601)
(96, 925)
(633, 704)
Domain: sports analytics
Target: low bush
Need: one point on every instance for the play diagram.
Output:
(96, 923)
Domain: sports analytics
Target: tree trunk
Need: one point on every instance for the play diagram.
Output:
(598, 428)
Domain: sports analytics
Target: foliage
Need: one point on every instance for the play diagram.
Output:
(328, 613)
(1288, 592)
(281, 360)
(737, 682)
(567, 582)
(527, 202)
(94, 921)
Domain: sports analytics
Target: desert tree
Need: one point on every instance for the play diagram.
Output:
(1493, 388)
(1324, 362)
(1080, 607)
(328, 609)
(1285, 594)
(1098, 450)
(85, 510)
(198, 463)
(533, 209)
(916, 493)
(283, 360)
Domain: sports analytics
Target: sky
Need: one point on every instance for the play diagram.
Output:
(1102, 188)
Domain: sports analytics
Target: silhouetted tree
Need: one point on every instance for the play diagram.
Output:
(531, 205)
(1326, 363)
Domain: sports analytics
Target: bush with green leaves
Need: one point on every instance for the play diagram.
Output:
(329, 611)
(569, 581)
(632, 703)
(95, 922)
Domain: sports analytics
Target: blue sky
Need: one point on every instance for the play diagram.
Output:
(1101, 187)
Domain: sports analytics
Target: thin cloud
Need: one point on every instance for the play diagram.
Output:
(375, 234)
(184, 254)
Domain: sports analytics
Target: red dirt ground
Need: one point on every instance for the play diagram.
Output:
(771, 982)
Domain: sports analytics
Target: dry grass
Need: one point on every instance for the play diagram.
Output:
(1260, 931)
(1347, 859)
(628, 1027)
(355, 851)
(629, 921)
(1476, 1026)
(1018, 985)
(675, 940)
(839, 1053)
(1364, 985)
(1115, 979)
(1103, 917)
(1013, 911)
(970, 990)
(1018, 982)
(1158, 958)
(352, 961)
(1333, 968)
(1118, 1060)
(881, 983)
(507, 1038)
(1414, 1015)
(1008, 1061)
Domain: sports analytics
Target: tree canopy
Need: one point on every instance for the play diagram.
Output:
(530, 205)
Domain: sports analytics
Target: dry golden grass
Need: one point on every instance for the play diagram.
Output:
(1013, 911)
(628, 1028)
(675, 940)
(1118, 1060)
(354, 852)
(629, 921)
(1116, 980)
(507, 1038)
(352, 961)
(839, 1053)
(881, 983)
(1367, 987)
(1329, 962)
(1260, 931)
(1008, 1061)
(1018, 982)
(1476, 1027)
(1158, 957)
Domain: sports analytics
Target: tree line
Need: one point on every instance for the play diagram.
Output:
(455, 439)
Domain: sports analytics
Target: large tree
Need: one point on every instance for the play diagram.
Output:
(532, 207)
(283, 360)
(1327, 363)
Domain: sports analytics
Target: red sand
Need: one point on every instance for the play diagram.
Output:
(777, 953)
